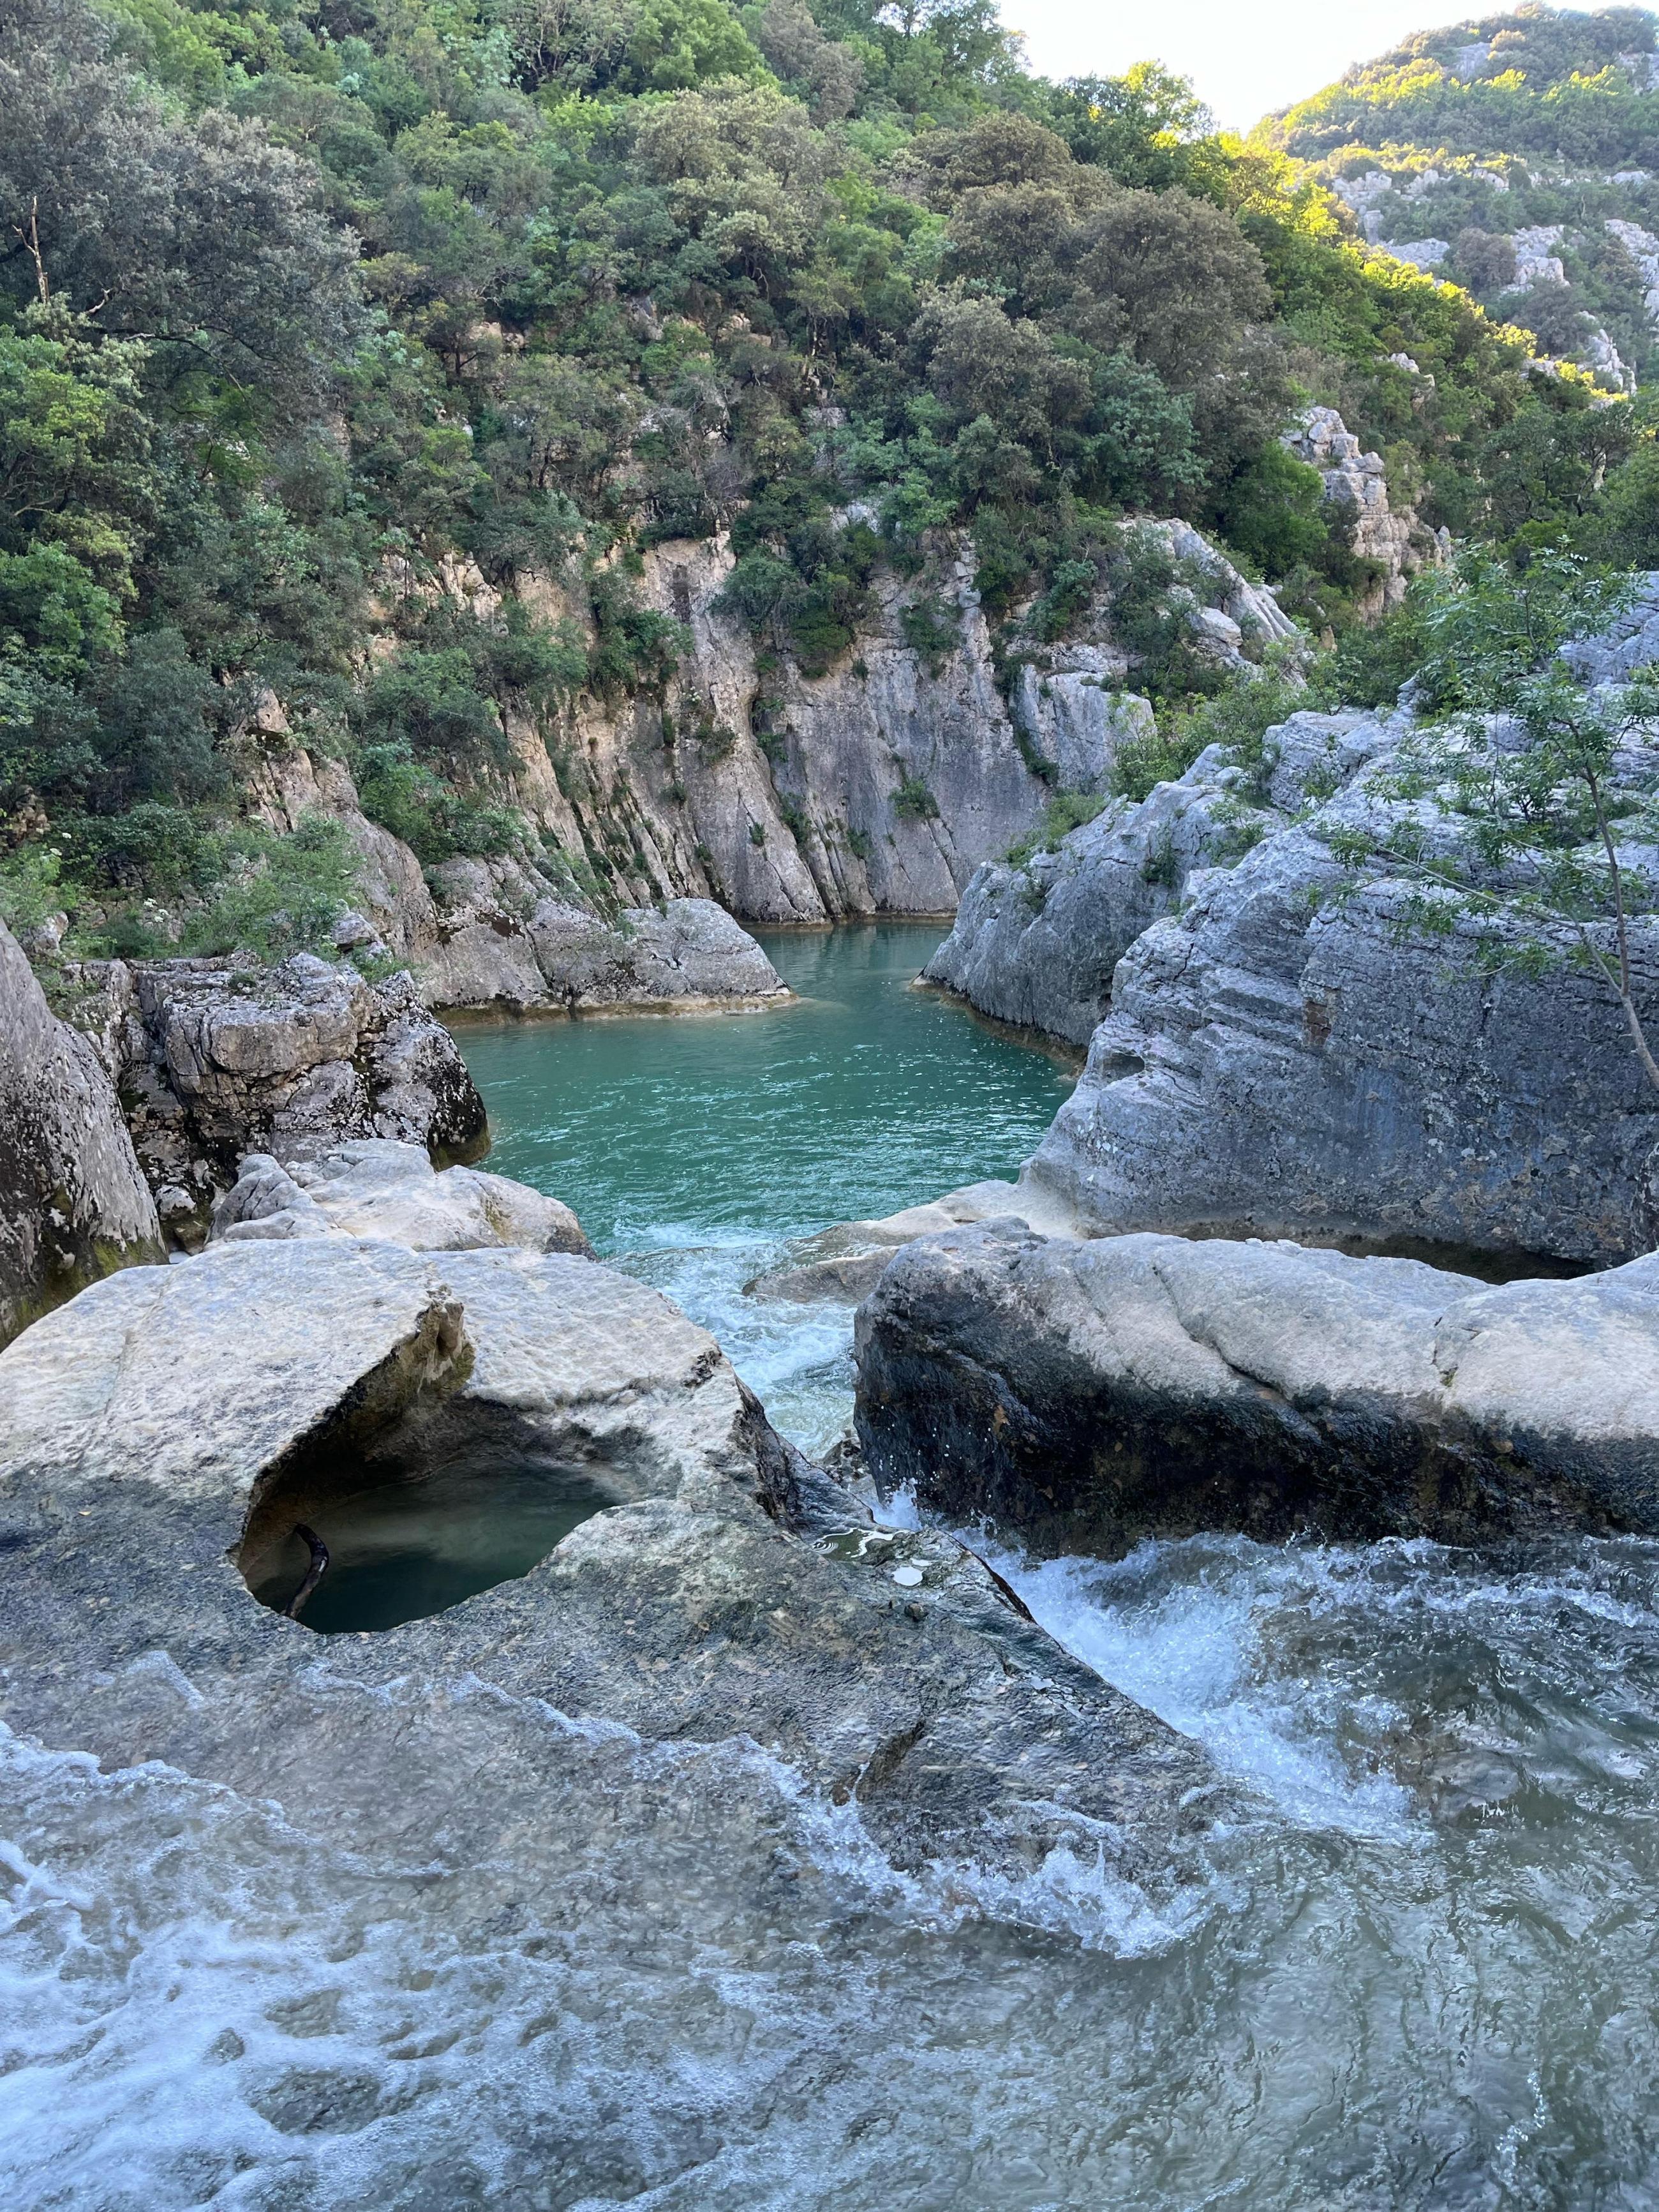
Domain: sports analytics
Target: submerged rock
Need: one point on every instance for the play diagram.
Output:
(73, 1201)
(214, 1060)
(841, 1265)
(1086, 1396)
(376, 1187)
(175, 1419)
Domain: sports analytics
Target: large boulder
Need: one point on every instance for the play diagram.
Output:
(1083, 1396)
(690, 954)
(74, 1203)
(503, 936)
(1038, 941)
(376, 1187)
(172, 1422)
(1295, 1053)
(214, 1059)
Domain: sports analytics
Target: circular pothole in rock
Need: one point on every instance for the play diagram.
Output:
(411, 1527)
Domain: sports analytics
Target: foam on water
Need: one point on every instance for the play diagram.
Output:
(1426, 1977)
(1423, 1977)
(1189, 1632)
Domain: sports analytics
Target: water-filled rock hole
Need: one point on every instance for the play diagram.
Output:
(425, 1517)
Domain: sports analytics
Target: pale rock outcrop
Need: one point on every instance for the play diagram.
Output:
(1355, 482)
(505, 935)
(719, 1590)
(73, 1201)
(506, 931)
(212, 1060)
(876, 786)
(1363, 198)
(1535, 263)
(378, 1188)
(1075, 713)
(1251, 609)
(1038, 942)
(1292, 1054)
(1086, 1396)
(1420, 253)
(1629, 642)
(1644, 250)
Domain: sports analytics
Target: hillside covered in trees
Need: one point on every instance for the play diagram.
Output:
(1517, 154)
(315, 318)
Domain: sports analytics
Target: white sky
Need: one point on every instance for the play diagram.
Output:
(1246, 58)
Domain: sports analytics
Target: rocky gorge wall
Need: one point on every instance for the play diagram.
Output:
(1277, 1046)
(877, 787)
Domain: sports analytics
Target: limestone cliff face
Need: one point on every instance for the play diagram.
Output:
(1287, 1054)
(1393, 540)
(879, 786)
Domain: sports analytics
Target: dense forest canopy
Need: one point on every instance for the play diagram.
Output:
(301, 305)
(1543, 82)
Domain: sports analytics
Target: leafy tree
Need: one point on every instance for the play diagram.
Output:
(1547, 782)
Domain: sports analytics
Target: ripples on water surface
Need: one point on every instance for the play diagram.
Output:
(1423, 1977)
(692, 1146)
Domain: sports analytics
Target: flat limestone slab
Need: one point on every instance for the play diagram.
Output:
(727, 1592)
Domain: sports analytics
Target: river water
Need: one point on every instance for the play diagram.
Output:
(695, 1147)
(1423, 1975)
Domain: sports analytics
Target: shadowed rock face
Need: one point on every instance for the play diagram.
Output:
(213, 1061)
(725, 1589)
(1087, 1395)
(73, 1201)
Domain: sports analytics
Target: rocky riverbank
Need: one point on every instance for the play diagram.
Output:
(1281, 1043)
(1083, 1396)
(174, 1420)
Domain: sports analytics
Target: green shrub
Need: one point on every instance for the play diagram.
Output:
(1067, 810)
(933, 633)
(32, 887)
(1162, 865)
(913, 802)
(435, 820)
(280, 895)
(1070, 587)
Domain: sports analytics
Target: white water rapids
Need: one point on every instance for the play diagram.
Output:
(1423, 1978)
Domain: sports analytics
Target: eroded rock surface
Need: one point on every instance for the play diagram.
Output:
(723, 1590)
(1086, 1396)
(378, 1188)
(1038, 942)
(1395, 544)
(512, 931)
(841, 1265)
(74, 1203)
(212, 1060)
(1292, 1053)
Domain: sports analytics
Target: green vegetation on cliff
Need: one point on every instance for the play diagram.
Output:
(310, 310)
(1515, 154)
